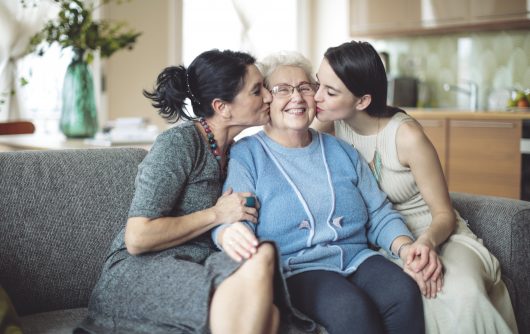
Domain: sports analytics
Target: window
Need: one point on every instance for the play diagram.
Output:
(40, 99)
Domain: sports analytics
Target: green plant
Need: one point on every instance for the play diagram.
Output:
(76, 28)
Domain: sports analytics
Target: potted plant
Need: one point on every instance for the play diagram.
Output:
(75, 28)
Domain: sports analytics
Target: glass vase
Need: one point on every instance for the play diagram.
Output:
(78, 113)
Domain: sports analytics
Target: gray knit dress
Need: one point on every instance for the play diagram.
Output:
(167, 291)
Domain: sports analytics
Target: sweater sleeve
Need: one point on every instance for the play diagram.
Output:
(384, 223)
(241, 179)
(162, 176)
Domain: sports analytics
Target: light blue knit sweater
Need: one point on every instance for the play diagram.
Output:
(320, 204)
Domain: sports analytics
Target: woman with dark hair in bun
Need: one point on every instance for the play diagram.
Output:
(162, 274)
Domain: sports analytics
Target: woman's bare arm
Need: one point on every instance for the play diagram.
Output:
(417, 152)
(146, 235)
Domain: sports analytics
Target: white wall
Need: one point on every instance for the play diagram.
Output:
(319, 24)
(330, 27)
(127, 73)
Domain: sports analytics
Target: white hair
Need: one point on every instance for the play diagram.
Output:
(270, 63)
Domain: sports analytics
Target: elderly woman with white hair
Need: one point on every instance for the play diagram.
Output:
(321, 206)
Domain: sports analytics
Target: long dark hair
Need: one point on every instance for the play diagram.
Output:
(361, 69)
(213, 74)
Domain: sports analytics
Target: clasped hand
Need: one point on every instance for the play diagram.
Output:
(424, 266)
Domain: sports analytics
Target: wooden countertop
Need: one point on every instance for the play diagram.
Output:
(442, 113)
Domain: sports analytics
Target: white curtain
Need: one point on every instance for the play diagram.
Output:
(17, 25)
(244, 15)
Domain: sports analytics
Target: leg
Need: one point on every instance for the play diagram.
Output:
(274, 324)
(395, 294)
(243, 302)
(473, 299)
(332, 301)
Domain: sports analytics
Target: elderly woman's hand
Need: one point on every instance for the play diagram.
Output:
(230, 208)
(238, 241)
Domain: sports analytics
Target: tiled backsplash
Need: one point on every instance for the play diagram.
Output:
(497, 61)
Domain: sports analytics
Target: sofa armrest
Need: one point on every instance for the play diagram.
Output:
(504, 226)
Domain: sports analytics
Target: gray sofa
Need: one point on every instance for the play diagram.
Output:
(59, 211)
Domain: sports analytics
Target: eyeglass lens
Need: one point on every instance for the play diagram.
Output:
(305, 88)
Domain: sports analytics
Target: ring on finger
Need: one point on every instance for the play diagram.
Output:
(250, 201)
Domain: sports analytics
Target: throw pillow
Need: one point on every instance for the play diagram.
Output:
(8, 317)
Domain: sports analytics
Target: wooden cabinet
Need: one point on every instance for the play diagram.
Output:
(384, 18)
(479, 152)
(437, 13)
(436, 131)
(484, 157)
(498, 10)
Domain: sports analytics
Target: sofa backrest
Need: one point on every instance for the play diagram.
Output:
(504, 226)
(59, 211)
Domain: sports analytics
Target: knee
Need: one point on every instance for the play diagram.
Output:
(265, 257)
(468, 289)
(261, 265)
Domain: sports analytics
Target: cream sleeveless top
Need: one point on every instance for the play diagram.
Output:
(396, 180)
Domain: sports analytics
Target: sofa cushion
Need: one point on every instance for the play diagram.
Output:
(59, 212)
(54, 322)
(8, 317)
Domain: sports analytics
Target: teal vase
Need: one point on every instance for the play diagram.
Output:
(79, 117)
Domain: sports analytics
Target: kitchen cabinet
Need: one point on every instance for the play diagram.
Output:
(484, 157)
(437, 13)
(498, 10)
(384, 18)
(479, 151)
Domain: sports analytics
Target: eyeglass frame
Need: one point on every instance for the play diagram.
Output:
(314, 86)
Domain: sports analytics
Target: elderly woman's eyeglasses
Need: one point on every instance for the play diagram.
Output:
(285, 90)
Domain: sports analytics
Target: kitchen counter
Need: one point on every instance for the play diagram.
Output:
(443, 113)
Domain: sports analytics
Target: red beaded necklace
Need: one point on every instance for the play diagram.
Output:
(214, 148)
(211, 140)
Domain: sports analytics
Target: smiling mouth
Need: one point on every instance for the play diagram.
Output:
(295, 111)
